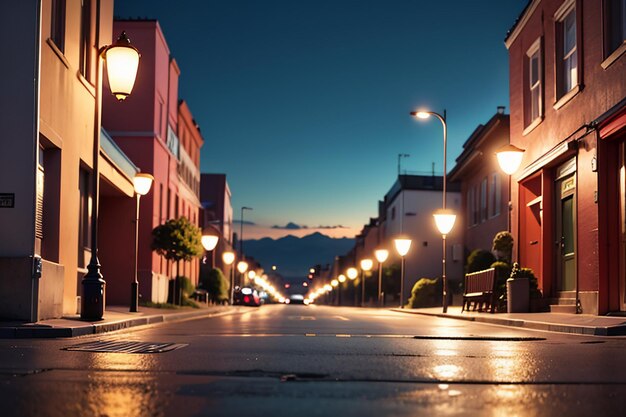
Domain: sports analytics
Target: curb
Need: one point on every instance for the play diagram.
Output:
(618, 330)
(39, 331)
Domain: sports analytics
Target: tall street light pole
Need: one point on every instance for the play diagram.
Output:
(122, 61)
(229, 258)
(509, 158)
(402, 245)
(444, 218)
(381, 257)
(142, 183)
(241, 232)
(366, 265)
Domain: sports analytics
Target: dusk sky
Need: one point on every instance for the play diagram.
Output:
(305, 104)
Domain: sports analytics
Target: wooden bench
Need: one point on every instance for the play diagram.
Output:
(480, 290)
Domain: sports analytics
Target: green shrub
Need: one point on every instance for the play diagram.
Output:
(518, 272)
(425, 293)
(479, 260)
(184, 284)
(503, 246)
(503, 272)
(216, 285)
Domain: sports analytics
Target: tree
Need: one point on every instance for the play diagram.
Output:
(216, 285)
(479, 260)
(177, 240)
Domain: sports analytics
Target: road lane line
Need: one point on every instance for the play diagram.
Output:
(342, 318)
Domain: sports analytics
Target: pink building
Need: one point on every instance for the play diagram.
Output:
(160, 136)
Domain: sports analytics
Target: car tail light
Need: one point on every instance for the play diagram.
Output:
(246, 299)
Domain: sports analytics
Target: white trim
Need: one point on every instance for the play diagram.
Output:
(615, 55)
(564, 10)
(523, 20)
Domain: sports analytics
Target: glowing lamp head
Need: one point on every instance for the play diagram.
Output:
(328, 288)
(402, 246)
(209, 242)
(422, 114)
(366, 264)
(510, 158)
(251, 274)
(228, 257)
(341, 278)
(444, 219)
(334, 283)
(142, 183)
(122, 61)
(381, 255)
(352, 273)
(242, 266)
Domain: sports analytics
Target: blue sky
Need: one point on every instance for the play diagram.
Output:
(304, 104)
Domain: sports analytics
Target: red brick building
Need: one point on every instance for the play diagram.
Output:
(484, 187)
(567, 91)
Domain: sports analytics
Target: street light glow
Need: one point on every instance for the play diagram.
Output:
(251, 274)
(341, 278)
(122, 62)
(142, 183)
(510, 158)
(402, 246)
(381, 255)
(352, 273)
(334, 283)
(242, 266)
(366, 264)
(209, 242)
(444, 219)
(421, 114)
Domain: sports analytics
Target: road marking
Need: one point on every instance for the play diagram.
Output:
(305, 318)
(343, 335)
(310, 334)
(342, 318)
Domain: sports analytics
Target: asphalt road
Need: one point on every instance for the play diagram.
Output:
(318, 361)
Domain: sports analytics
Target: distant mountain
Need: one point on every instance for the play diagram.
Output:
(294, 256)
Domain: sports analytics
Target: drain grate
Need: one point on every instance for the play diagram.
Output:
(125, 347)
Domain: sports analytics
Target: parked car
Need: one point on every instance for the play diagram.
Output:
(246, 296)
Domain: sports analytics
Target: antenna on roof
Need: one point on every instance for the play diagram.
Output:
(433, 170)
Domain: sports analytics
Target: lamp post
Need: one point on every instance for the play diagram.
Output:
(122, 62)
(209, 242)
(402, 247)
(444, 218)
(509, 158)
(142, 183)
(242, 267)
(381, 257)
(400, 156)
(229, 258)
(352, 273)
(366, 265)
(241, 232)
(341, 278)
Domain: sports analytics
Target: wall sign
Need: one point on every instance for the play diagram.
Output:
(7, 200)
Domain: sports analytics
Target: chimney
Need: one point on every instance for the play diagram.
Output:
(501, 109)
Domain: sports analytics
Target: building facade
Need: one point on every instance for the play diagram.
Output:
(160, 136)
(50, 128)
(484, 187)
(567, 90)
(217, 215)
(409, 206)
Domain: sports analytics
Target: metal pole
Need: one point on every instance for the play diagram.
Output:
(241, 236)
(442, 119)
(402, 283)
(232, 283)
(93, 284)
(362, 287)
(134, 286)
(380, 284)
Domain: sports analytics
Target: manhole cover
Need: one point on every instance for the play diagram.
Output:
(125, 347)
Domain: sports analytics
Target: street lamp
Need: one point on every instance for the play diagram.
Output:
(366, 265)
(402, 247)
(241, 232)
(242, 267)
(509, 159)
(352, 273)
(142, 183)
(229, 258)
(209, 242)
(122, 62)
(444, 219)
(381, 257)
(251, 274)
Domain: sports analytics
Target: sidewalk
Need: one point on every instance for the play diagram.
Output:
(584, 324)
(115, 318)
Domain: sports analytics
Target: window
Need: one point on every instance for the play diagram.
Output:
(534, 90)
(57, 24)
(483, 200)
(86, 44)
(567, 52)
(470, 205)
(84, 217)
(495, 195)
(614, 25)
